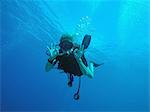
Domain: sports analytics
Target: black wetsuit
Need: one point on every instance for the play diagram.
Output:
(69, 64)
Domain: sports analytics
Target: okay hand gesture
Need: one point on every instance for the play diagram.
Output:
(78, 53)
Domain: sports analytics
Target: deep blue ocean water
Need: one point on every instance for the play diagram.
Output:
(120, 39)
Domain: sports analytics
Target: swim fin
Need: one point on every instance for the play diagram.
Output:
(96, 65)
(86, 41)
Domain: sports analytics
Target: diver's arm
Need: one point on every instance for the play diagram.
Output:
(87, 70)
(53, 53)
(50, 63)
(48, 66)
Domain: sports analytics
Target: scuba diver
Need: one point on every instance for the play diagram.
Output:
(70, 58)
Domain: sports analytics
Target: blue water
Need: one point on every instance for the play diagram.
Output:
(120, 39)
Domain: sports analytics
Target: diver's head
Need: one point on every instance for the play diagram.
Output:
(66, 42)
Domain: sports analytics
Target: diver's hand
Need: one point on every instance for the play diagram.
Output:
(78, 53)
(53, 51)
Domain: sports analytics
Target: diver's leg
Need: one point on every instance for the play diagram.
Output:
(68, 75)
(70, 79)
(91, 67)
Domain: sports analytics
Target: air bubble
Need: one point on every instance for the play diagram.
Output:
(82, 18)
(78, 25)
(77, 33)
(87, 17)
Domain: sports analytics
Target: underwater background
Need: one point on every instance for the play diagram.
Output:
(120, 40)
